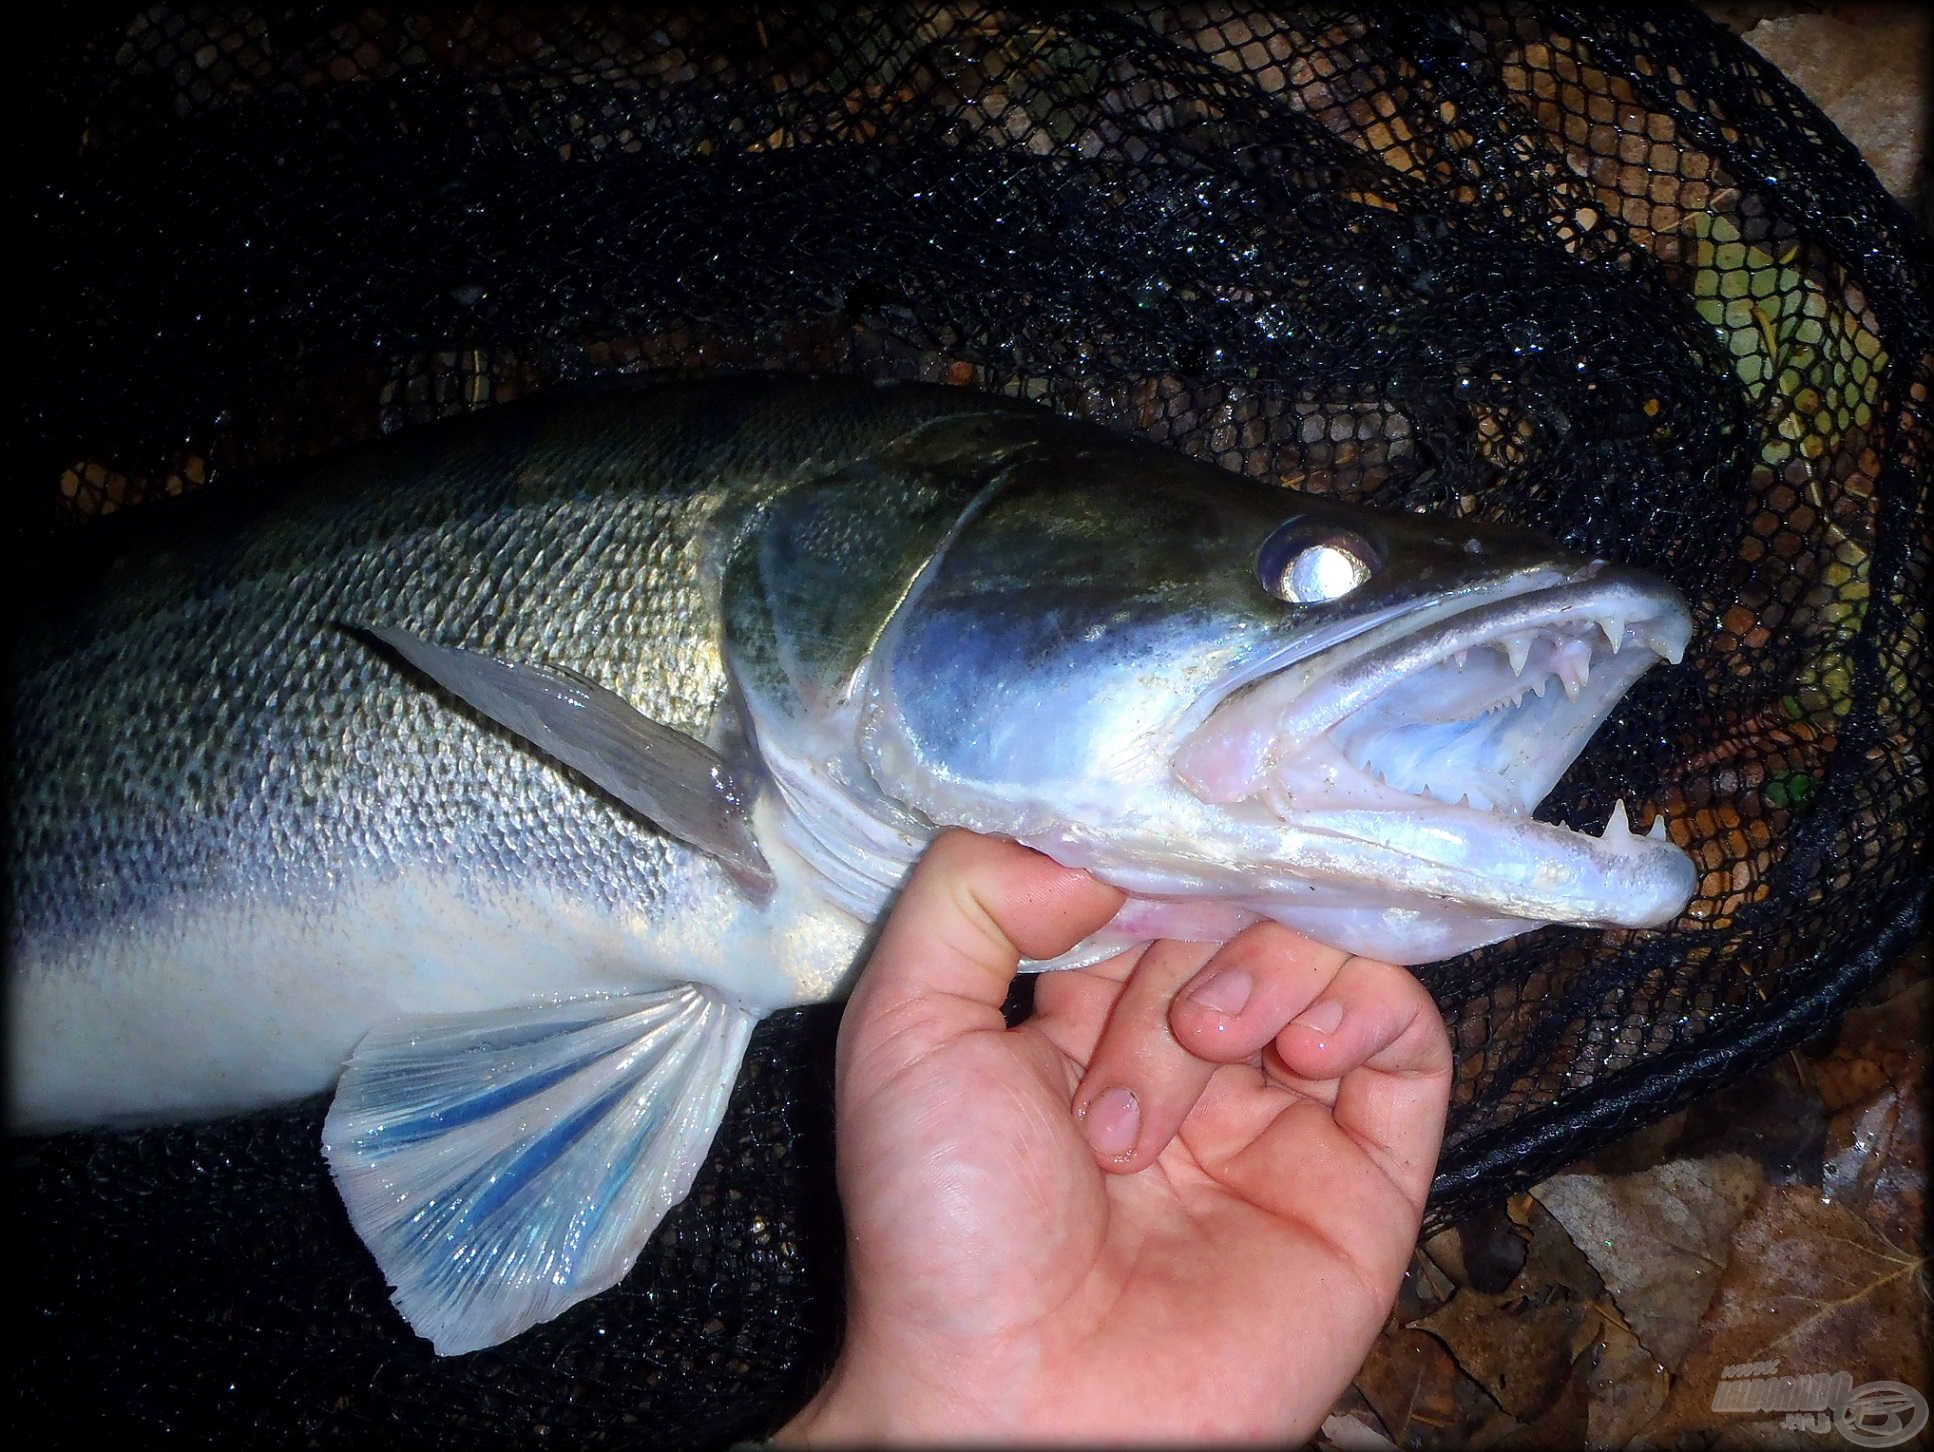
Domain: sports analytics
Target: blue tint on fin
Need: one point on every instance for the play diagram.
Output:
(504, 1166)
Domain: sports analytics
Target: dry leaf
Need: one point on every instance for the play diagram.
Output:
(1659, 1238)
(1351, 1432)
(1877, 1164)
(1424, 1403)
(1812, 1288)
(1445, 1250)
(1877, 1077)
(1870, 79)
(1870, 1053)
(1627, 1384)
(1425, 1287)
(1518, 1346)
(1521, 1345)
(1564, 1421)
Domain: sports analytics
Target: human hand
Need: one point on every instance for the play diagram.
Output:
(1211, 1263)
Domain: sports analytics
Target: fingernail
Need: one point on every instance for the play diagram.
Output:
(1321, 1017)
(1112, 1120)
(1225, 992)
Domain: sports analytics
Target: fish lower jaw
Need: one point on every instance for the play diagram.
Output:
(1507, 864)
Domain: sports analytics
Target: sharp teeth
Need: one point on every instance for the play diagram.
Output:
(1657, 832)
(1544, 684)
(1617, 826)
(1574, 662)
(1614, 629)
(1459, 656)
(1518, 649)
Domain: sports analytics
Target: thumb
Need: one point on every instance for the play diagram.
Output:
(970, 911)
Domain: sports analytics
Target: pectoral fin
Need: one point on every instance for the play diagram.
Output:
(677, 782)
(504, 1166)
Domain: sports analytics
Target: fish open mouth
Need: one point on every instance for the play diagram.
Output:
(1435, 736)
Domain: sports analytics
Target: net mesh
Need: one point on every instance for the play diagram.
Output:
(1601, 274)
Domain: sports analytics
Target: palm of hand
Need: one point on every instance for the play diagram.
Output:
(1223, 1278)
(1256, 1254)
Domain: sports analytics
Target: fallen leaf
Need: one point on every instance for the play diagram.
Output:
(1813, 1289)
(1868, 78)
(1659, 1238)
(1352, 1433)
(1877, 1164)
(1519, 1348)
(1425, 1287)
(1869, 1054)
(1554, 1257)
(1423, 1401)
(1564, 1421)
(1877, 1079)
(1627, 1386)
(1521, 1344)
(1446, 1251)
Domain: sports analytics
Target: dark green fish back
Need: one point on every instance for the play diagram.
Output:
(209, 722)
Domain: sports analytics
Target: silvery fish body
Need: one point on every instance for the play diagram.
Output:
(522, 764)
(240, 835)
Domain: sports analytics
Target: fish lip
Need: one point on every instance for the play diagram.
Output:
(1645, 610)
(1343, 641)
(1285, 746)
(1529, 869)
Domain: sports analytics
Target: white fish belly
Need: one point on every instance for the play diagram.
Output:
(222, 1006)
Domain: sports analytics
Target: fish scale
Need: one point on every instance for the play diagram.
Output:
(545, 548)
(308, 724)
(236, 745)
(505, 775)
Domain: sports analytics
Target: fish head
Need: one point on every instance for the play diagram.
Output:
(1239, 703)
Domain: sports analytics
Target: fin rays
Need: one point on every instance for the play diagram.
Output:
(504, 1166)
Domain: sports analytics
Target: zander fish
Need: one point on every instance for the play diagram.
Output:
(521, 764)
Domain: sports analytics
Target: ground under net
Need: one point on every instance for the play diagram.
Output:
(1602, 274)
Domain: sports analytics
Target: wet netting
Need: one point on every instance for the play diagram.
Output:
(1605, 275)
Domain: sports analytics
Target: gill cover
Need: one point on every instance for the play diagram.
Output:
(806, 594)
(1048, 653)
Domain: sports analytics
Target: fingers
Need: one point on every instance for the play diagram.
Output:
(972, 908)
(1376, 1031)
(1360, 1037)
(1371, 1044)
(1140, 1083)
(1240, 1000)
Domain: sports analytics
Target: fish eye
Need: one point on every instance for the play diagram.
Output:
(1308, 563)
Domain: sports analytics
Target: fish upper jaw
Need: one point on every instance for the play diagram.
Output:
(1420, 752)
